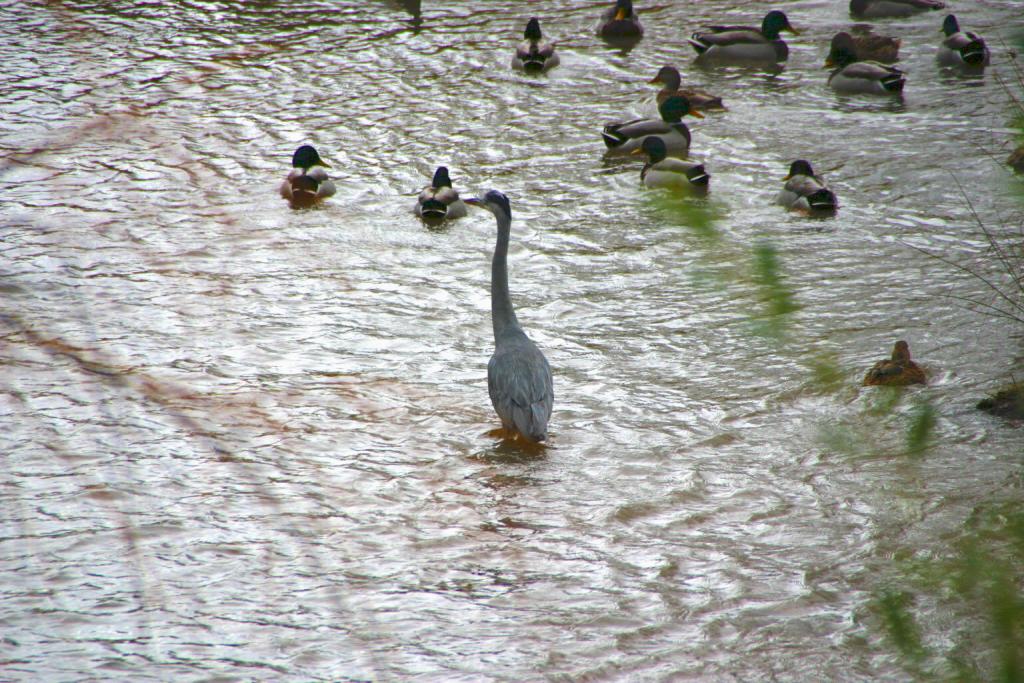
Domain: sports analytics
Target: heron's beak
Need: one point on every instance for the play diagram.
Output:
(473, 201)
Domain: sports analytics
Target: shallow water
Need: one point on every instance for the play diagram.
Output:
(245, 442)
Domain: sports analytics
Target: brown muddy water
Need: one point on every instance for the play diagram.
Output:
(243, 442)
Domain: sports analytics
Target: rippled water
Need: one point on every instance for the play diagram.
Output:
(244, 442)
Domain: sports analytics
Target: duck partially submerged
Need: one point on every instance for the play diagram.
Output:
(622, 138)
(745, 43)
(670, 80)
(804, 191)
(673, 174)
(897, 371)
(875, 9)
(620, 24)
(307, 183)
(440, 200)
(867, 47)
(961, 48)
(851, 76)
(533, 55)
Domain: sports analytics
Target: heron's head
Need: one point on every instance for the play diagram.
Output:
(799, 167)
(306, 157)
(441, 178)
(493, 201)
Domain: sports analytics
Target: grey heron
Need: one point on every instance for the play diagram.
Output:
(518, 375)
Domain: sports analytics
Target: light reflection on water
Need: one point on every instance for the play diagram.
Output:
(248, 442)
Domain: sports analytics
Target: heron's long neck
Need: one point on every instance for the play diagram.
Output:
(502, 314)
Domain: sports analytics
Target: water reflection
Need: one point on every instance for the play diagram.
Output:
(242, 441)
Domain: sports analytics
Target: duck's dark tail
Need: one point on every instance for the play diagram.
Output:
(822, 201)
(433, 209)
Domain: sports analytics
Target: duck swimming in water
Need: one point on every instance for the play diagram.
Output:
(670, 80)
(622, 138)
(897, 371)
(532, 55)
(745, 43)
(620, 24)
(850, 76)
(672, 174)
(805, 191)
(961, 48)
(307, 183)
(440, 200)
(875, 9)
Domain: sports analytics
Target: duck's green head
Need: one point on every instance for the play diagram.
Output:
(532, 32)
(654, 147)
(441, 178)
(799, 167)
(950, 25)
(774, 23)
(674, 108)
(843, 51)
(306, 157)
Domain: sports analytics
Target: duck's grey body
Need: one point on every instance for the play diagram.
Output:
(875, 9)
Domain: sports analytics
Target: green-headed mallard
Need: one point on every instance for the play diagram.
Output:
(670, 80)
(897, 371)
(620, 23)
(868, 47)
(440, 200)
(622, 138)
(805, 191)
(672, 174)
(307, 183)
(961, 48)
(875, 9)
(851, 76)
(532, 55)
(745, 43)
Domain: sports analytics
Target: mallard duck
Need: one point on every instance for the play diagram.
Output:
(673, 174)
(620, 23)
(622, 138)
(805, 191)
(851, 76)
(669, 78)
(897, 371)
(874, 9)
(961, 48)
(866, 46)
(440, 200)
(307, 183)
(745, 43)
(533, 56)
